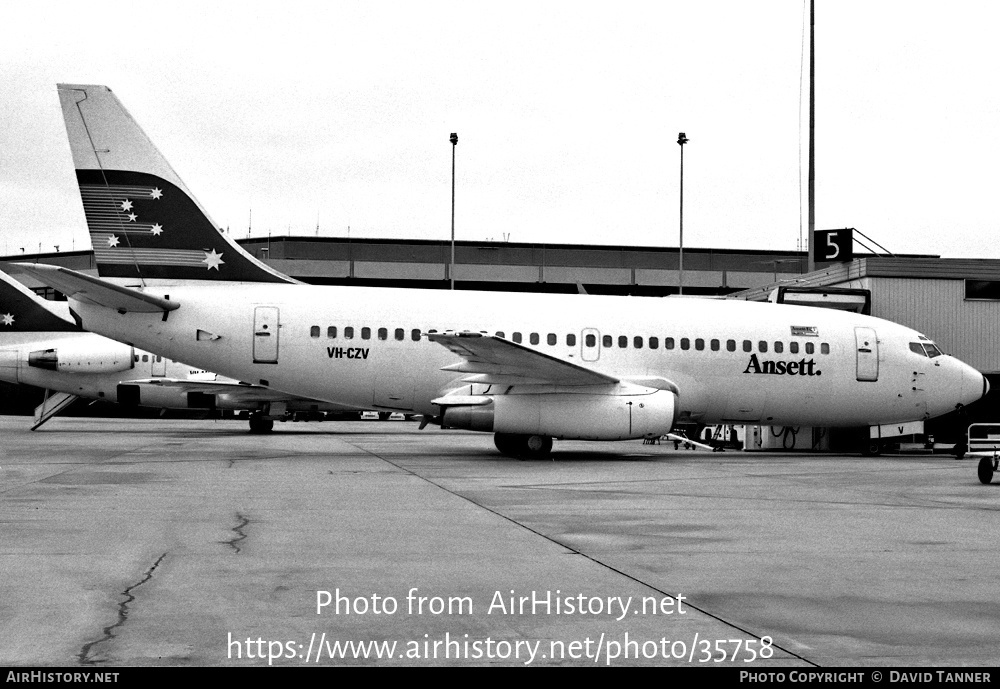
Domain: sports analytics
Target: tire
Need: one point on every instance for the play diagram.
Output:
(986, 470)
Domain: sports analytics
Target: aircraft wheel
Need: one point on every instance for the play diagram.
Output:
(537, 446)
(872, 449)
(506, 443)
(259, 424)
(523, 446)
(985, 470)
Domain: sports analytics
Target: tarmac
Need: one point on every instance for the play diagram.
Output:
(194, 543)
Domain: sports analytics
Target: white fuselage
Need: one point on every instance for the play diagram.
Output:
(343, 345)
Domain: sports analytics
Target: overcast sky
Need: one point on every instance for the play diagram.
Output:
(338, 114)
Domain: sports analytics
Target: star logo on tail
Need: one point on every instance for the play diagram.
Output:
(7, 319)
(212, 259)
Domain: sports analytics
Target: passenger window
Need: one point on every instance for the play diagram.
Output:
(810, 348)
(399, 334)
(824, 348)
(779, 347)
(349, 332)
(500, 334)
(668, 343)
(314, 331)
(136, 357)
(606, 340)
(533, 338)
(551, 338)
(762, 347)
(715, 345)
(793, 347)
(517, 338)
(637, 342)
(331, 332)
(654, 343)
(730, 345)
(590, 340)
(415, 334)
(699, 344)
(622, 341)
(145, 357)
(685, 343)
(747, 346)
(366, 333)
(383, 334)
(571, 340)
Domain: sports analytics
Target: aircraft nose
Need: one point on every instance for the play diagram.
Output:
(974, 385)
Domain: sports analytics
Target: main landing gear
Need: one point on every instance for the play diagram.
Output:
(260, 424)
(987, 465)
(523, 446)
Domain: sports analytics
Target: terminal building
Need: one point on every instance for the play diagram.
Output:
(955, 302)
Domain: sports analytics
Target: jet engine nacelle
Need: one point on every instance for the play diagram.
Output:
(648, 414)
(84, 357)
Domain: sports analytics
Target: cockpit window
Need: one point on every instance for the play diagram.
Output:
(925, 348)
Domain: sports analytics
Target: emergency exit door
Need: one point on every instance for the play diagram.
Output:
(265, 335)
(867, 344)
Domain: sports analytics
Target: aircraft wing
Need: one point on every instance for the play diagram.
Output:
(91, 290)
(238, 392)
(495, 360)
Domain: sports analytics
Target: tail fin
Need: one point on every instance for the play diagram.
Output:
(22, 311)
(143, 221)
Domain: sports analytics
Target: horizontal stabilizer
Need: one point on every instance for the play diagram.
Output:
(91, 290)
(22, 311)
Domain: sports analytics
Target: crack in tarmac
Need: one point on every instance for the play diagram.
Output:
(123, 610)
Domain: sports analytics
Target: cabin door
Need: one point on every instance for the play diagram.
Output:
(867, 344)
(265, 335)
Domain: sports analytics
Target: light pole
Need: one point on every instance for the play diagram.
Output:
(451, 269)
(681, 140)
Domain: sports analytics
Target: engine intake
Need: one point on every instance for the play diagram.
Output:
(84, 357)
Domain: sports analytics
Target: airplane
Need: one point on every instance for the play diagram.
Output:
(528, 368)
(46, 349)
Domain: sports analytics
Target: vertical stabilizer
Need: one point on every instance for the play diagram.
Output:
(144, 222)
